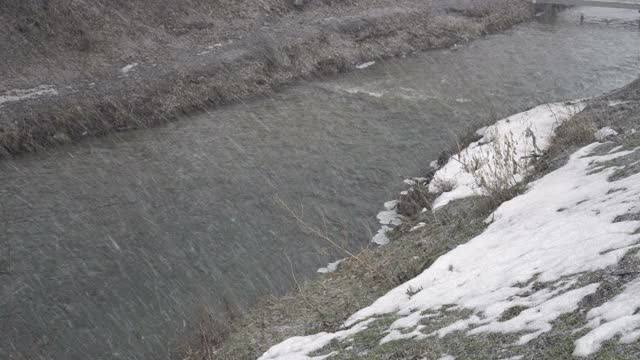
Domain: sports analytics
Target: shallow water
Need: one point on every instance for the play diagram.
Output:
(116, 245)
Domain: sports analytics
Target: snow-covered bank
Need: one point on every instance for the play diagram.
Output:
(561, 228)
(505, 148)
(536, 255)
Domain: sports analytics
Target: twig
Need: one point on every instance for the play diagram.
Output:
(315, 231)
(323, 236)
(304, 297)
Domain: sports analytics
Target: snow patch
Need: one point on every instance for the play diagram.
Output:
(331, 267)
(618, 102)
(389, 215)
(615, 317)
(415, 181)
(447, 357)
(23, 94)
(388, 218)
(365, 65)
(380, 237)
(358, 90)
(419, 226)
(128, 68)
(390, 205)
(521, 136)
(297, 348)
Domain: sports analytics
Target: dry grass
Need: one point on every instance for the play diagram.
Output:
(411, 204)
(88, 38)
(99, 25)
(575, 132)
(499, 171)
(324, 304)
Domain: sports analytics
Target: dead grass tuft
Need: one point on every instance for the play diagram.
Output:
(418, 198)
(323, 304)
(577, 131)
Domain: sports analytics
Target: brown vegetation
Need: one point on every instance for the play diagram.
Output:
(80, 47)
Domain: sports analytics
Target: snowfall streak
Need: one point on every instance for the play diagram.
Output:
(629, 4)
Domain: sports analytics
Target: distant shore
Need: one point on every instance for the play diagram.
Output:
(67, 82)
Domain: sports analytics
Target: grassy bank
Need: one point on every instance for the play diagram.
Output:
(116, 66)
(325, 303)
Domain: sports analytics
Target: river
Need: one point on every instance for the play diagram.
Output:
(111, 248)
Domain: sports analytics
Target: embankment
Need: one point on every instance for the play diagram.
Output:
(73, 69)
(552, 290)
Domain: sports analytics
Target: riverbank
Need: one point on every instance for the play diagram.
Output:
(76, 71)
(552, 273)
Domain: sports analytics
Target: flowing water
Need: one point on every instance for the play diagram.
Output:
(113, 247)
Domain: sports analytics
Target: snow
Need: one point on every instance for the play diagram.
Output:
(390, 205)
(23, 94)
(481, 131)
(415, 181)
(442, 357)
(358, 90)
(418, 226)
(563, 245)
(618, 102)
(615, 317)
(331, 267)
(297, 348)
(128, 68)
(380, 237)
(447, 357)
(604, 133)
(519, 135)
(388, 218)
(365, 65)
(528, 242)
